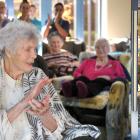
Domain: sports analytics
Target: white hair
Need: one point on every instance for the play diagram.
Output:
(102, 40)
(53, 34)
(17, 31)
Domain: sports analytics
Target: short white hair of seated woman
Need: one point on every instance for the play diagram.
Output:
(53, 34)
(100, 41)
(16, 31)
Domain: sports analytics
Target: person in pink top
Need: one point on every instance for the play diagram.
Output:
(95, 74)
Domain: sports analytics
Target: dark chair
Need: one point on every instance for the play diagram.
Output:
(71, 46)
(74, 47)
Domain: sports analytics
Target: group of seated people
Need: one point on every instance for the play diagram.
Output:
(95, 74)
(35, 110)
(30, 107)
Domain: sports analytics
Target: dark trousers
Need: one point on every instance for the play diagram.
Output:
(94, 86)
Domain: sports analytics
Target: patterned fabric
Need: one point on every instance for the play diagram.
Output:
(96, 102)
(117, 114)
(73, 128)
(61, 63)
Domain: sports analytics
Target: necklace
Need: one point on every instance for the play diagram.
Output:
(100, 63)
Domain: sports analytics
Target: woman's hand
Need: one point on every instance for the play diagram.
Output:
(48, 21)
(76, 63)
(42, 110)
(104, 77)
(56, 21)
(37, 88)
(39, 108)
(53, 66)
(16, 110)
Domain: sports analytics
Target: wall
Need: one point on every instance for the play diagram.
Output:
(119, 18)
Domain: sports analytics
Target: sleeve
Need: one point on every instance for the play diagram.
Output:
(67, 125)
(6, 130)
(57, 133)
(41, 63)
(59, 130)
(66, 26)
(119, 70)
(79, 71)
(71, 56)
(56, 106)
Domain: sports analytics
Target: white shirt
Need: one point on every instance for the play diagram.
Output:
(20, 127)
(11, 96)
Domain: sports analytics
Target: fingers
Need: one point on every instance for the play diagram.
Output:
(37, 89)
(46, 100)
(57, 17)
(38, 108)
(49, 18)
(36, 105)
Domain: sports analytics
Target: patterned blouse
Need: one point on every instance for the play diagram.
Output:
(68, 127)
(61, 62)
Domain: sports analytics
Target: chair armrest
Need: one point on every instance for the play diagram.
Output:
(57, 82)
(117, 115)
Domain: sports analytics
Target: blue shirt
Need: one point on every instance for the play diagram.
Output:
(64, 24)
(37, 23)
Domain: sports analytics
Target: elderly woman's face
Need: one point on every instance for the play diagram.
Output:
(102, 49)
(56, 44)
(24, 56)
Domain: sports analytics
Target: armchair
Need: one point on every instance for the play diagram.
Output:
(109, 108)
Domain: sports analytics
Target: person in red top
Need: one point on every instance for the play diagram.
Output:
(95, 74)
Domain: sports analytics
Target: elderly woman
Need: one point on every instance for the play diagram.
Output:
(60, 61)
(95, 74)
(30, 108)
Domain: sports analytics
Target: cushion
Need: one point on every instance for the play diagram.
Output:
(96, 102)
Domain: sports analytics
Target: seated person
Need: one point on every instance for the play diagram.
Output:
(95, 74)
(120, 47)
(60, 61)
(30, 108)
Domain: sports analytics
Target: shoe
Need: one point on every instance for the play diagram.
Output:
(82, 89)
(67, 89)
